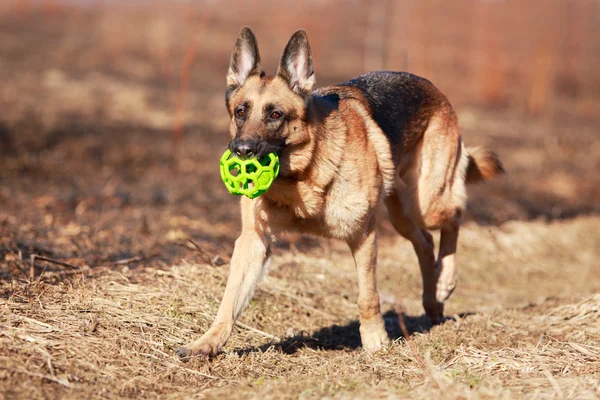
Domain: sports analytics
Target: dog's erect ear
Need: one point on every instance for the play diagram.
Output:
(245, 59)
(296, 66)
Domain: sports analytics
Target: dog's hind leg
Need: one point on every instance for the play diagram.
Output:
(446, 263)
(372, 328)
(433, 192)
(423, 244)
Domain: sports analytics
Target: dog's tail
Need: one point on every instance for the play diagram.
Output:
(483, 165)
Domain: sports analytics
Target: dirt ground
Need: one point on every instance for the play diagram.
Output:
(113, 253)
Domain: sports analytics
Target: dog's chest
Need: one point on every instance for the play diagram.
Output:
(340, 217)
(344, 209)
(342, 213)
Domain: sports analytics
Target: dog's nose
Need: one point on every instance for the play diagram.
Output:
(244, 149)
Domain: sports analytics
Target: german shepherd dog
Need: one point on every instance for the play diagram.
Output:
(382, 137)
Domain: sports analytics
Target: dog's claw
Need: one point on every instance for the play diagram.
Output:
(184, 353)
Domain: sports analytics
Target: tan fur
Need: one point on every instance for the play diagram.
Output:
(434, 177)
(336, 168)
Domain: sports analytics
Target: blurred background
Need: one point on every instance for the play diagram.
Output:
(112, 114)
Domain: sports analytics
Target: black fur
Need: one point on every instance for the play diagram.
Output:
(401, 103)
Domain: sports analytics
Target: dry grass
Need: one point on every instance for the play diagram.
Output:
(112, 332)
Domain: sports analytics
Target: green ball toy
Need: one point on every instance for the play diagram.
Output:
(250, 177)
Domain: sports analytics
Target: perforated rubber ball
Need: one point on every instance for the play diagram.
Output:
(250, 177)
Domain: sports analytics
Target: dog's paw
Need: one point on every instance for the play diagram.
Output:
(374, 336)
(445, 289)
(446, 280)
(200, 350)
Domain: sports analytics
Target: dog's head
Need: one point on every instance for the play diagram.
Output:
(268, 114)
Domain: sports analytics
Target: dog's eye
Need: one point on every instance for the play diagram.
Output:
(240, 112)
(275, 115)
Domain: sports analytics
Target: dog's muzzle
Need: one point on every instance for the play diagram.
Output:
(253, 148)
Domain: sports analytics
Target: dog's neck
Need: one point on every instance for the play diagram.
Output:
(308, 168)
(321, 151)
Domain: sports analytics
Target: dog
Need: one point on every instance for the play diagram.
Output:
(382, 137)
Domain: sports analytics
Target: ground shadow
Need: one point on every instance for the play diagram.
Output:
(347, 337)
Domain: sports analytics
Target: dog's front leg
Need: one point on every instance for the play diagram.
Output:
(247, 266)
(372, 327)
